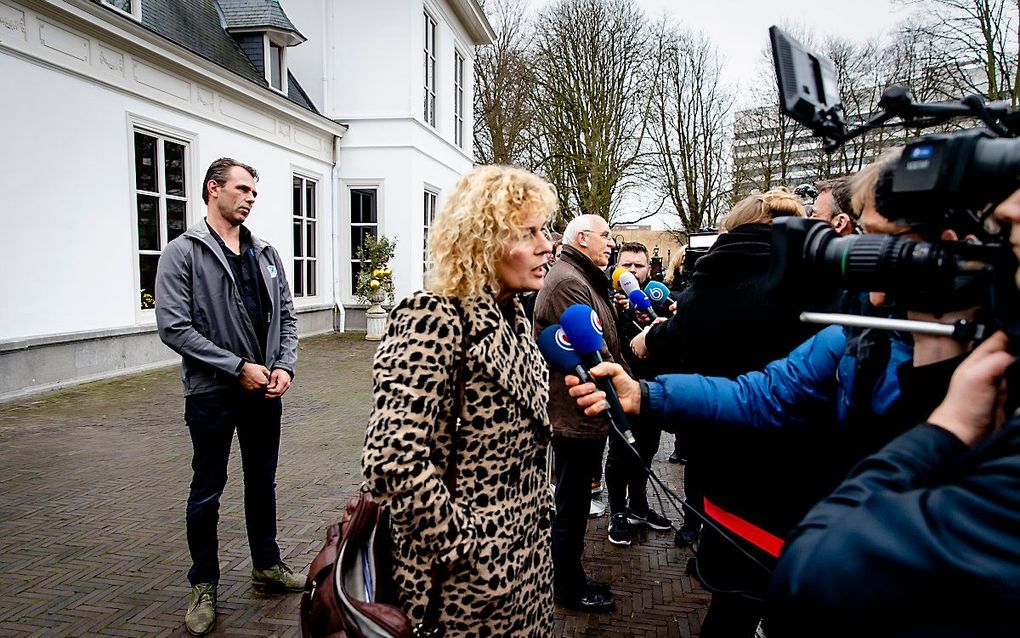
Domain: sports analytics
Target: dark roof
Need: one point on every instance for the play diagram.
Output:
(196, 25)
(256, 14)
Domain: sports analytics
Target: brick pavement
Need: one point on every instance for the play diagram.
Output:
(92, 496)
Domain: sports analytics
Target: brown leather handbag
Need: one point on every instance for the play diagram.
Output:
(350, 592)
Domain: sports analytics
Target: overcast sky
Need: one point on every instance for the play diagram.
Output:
(739, 28)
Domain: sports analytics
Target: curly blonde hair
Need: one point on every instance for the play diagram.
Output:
(762, 208)
(484, 213)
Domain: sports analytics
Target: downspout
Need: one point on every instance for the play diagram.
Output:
(339, 313)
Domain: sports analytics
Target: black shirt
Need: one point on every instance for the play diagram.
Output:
(248, 278)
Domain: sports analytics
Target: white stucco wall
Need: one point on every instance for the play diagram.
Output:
(66, 202)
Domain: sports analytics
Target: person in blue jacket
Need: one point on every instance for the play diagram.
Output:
(923, 538)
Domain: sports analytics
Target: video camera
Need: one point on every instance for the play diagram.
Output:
(698, 245)
(939, 182)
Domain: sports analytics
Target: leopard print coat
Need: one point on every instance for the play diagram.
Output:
(494, 534)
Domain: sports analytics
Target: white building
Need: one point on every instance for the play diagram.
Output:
(357, 124)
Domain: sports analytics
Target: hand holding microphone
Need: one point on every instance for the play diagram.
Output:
(658, 292)
(582, 329)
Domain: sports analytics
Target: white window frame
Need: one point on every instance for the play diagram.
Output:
(136, 8)
(267, 45)
(430, 200)
(458, 98)
(299, 276)
(347, 282)
(431, 28)
(139, 124)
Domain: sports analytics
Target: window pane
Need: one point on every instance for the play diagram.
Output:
(309, 199)
(148, 222)
(274, 67)
(147, 279)
(145, 162)
(310, 239)
(299, 290)
(311, 277)
(176, 218)
(296, 210)
(363, 207)
(298, 252)
(173, 156)
(358, 235)
(355, 271)
(123, 5)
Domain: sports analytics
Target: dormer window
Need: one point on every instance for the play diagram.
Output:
(131, 7)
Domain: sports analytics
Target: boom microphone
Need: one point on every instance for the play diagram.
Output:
(582, 331)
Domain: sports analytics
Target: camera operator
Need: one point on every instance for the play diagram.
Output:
(923, 534)
(782, 437)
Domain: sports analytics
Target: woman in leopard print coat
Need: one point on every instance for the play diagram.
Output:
(492, 535)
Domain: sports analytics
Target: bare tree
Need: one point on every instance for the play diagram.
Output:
(981, 44)
(592, 71)
(504, 87)
(688, 131)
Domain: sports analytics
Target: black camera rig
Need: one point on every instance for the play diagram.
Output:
(940, 181)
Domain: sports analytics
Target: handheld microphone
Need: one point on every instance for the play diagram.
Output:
(617, 273)
(658, 292)
(629, 283)
(642, 303)
(582, 331)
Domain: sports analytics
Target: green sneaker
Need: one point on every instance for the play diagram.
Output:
(278, 576)
(201, 614)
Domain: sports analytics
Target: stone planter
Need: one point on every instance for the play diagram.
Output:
(376, 318)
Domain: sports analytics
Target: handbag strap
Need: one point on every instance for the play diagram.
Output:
(430, 626)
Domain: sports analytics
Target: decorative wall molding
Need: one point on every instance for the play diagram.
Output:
(147, 73)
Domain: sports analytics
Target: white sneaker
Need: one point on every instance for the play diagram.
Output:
(597, 508)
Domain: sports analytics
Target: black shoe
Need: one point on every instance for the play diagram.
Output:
(598, 586)
(593, 601)
(619, 529)
(676, 458)
(651, 519)
(685, 536)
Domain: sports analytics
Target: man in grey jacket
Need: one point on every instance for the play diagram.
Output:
(223, 304)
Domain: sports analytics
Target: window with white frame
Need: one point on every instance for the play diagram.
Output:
(429, 209)
(430, 70)
(131, 7)
(161, 202)
(458, 98)
(364, 222)
(276, 68)
(304, 283)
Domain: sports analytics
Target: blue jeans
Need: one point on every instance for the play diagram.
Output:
(212, 419)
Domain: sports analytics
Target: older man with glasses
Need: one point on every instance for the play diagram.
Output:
(578, 277)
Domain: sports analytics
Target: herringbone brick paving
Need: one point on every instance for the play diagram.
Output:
(92, 493)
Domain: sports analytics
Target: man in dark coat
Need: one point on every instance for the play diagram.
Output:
(578, 277)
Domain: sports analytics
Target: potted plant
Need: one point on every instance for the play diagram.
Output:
(375, 280)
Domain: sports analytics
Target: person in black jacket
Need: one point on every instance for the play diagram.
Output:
(728, 322)
(923, 534)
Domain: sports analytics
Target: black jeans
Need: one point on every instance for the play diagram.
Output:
(576, 462)
(625, 477)
(212, 419)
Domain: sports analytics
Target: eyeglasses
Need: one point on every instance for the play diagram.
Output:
(604, 234)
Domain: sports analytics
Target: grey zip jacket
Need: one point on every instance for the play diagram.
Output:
(201, 316)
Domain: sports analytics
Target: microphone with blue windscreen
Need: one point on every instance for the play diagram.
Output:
(582, 331)
(559, 353)
(641, 301)
(658, 292)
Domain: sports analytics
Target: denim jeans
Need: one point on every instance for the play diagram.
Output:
(212, 419)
